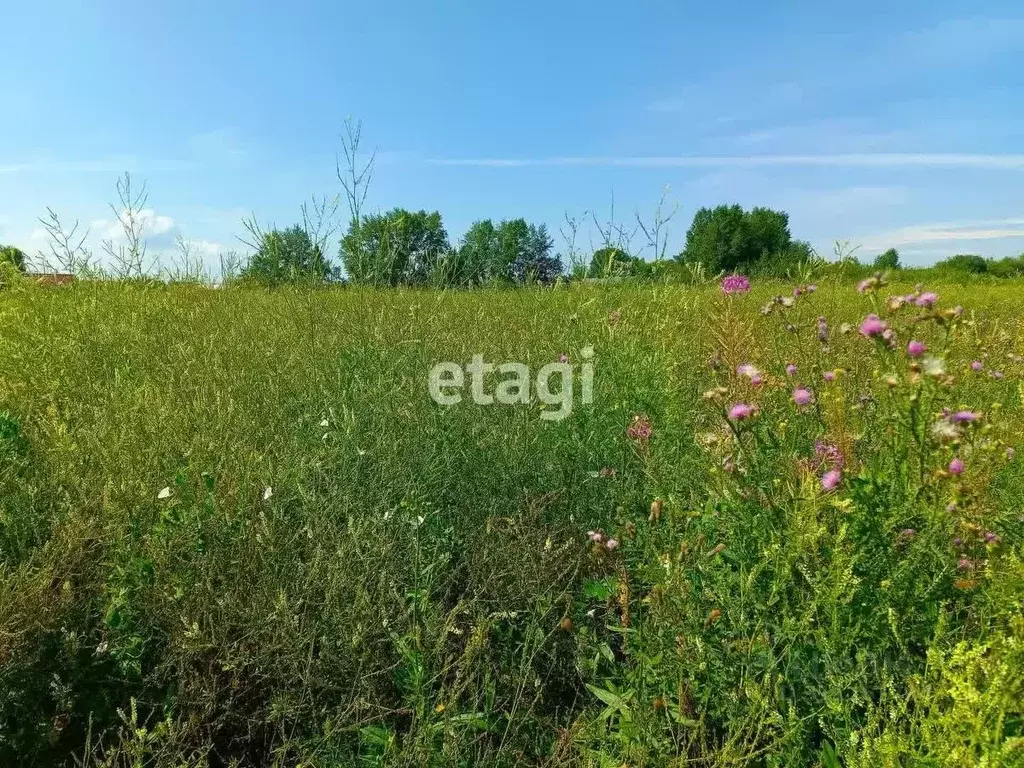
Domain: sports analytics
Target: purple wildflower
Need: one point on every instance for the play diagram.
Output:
(831, 480)
(611, 544)
(926, 299)
(563, 358)
(741, 412)
(916, 348)
(822, 329)
(964, 417)
(746, 369)
(828, 454)
(802, 396)
(735, 284)
(977, 365)
(872, 326)
(791, 370)
(829, 375)
(640, 430)
(956, 466)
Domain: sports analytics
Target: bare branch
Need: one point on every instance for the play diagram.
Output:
(67, 251)
(354, 177)
(657, 232)
(128, 259)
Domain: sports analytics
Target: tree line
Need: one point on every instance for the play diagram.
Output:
(402, 247)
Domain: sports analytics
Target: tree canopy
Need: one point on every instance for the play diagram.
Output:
(396, 247)
(513, 251)
(890, 259)
(287, 255)
(729, 239)
(14, 255)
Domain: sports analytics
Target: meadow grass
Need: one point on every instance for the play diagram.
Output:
(236, 530)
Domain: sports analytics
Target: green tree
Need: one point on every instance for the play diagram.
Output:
(615, 262)
(728, 239)
(479, 255)
(965, 262)
(396, 247)
(287, 255)
(514, 250)
(13, 255)
(527, 250)
(888, 260)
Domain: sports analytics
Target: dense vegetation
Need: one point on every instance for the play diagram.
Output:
(236, 530)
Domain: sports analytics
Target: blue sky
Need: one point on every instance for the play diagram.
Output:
(879, 123)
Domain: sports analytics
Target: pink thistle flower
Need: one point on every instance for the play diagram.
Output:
(872, 326)
(866, 285)
(977, 366)
(831, 480)
(997, 375)
(802, 397)
(822, 330)
(829, 376)
(746, 369)
(595, 536)
(926, 299)
(791, 370)
(965, 564)
(956, 466)
(735, 284)
(741, 412)
(563, 358)
(991, 538)
(916, 348)
(611, 544)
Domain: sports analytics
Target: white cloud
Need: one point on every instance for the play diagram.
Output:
(152, 224)
(993, 229)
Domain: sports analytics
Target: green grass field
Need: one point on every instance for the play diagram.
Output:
(236, 530)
